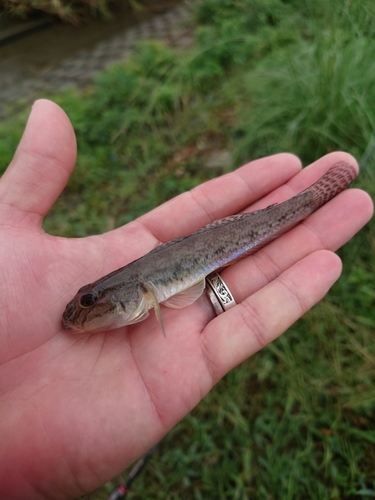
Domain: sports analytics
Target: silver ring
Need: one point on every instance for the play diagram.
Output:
(219, 294)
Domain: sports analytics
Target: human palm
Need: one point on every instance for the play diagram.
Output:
(77, 409)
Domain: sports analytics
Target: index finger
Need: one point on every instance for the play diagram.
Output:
(225, 195)
(271, 180)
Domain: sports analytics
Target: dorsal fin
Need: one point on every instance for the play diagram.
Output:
(230, 219)
(210, 225)
(166, 245)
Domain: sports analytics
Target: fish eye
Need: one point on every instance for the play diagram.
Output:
(88, 300)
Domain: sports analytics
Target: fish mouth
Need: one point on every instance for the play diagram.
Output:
(74, 328)
(71, 327)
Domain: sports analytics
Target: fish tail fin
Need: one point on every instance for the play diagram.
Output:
(335, 180)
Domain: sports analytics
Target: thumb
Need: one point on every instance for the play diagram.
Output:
(41, 167)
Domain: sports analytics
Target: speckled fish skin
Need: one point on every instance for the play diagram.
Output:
(174, 273)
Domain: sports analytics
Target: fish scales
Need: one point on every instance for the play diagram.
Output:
(174, 272)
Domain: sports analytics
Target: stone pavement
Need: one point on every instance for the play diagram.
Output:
(172, 26)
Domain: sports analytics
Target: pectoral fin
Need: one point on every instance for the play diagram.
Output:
(182, 299)
(159, 317)
(151, 290)
(187, 297)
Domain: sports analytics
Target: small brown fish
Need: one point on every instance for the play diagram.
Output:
(173, 274)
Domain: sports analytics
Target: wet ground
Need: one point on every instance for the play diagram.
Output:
(61, 54)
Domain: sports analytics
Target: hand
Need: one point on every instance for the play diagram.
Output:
(75, 410)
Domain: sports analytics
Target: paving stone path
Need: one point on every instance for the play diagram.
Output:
(172, 26)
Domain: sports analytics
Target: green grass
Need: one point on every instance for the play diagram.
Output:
(322, 93)
(297, 420)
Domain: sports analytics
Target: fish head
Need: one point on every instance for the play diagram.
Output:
(94, 309)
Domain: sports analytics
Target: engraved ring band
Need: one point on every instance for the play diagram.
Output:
(219, 294)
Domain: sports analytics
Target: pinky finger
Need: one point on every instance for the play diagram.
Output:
(236, 335)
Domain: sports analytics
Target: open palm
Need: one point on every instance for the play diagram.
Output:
(77, 409)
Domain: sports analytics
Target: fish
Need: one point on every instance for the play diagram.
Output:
(174, 273)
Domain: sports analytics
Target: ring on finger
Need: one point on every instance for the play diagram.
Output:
(219, 294)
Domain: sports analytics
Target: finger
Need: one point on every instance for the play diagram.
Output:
(41, 166)
(305, 178)
(272, 179)
(225, 195)
(220, 197)
(328, 228)
(232, 337)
